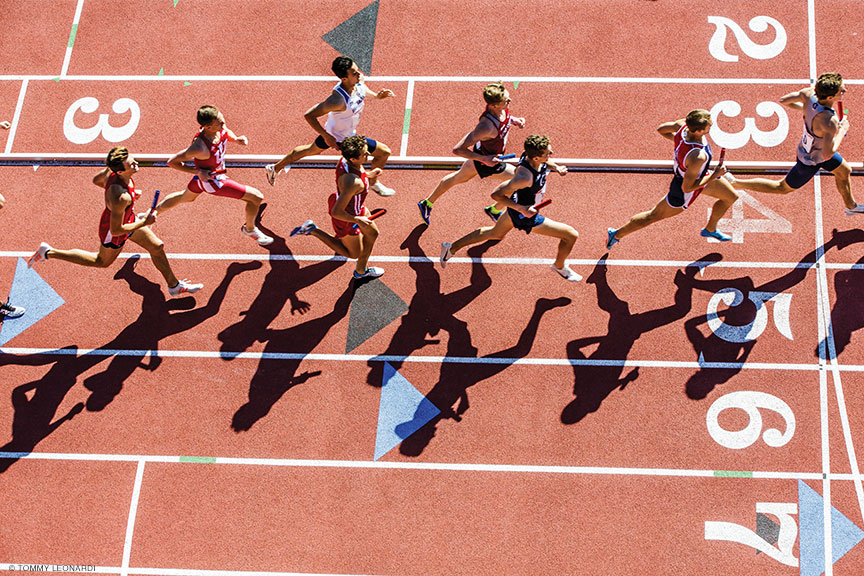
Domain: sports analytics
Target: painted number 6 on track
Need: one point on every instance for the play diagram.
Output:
(103, 127)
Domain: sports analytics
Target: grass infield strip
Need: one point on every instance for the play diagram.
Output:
(198, 459)
(732, 474)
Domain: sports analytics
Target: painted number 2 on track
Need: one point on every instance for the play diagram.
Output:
(88, 105)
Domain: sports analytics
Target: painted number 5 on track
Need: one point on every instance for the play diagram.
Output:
(89, 105)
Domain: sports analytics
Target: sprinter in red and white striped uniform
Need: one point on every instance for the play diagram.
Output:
(482, 148)
(207, 155)
(691, 177)
(118, 224)
(355, 232)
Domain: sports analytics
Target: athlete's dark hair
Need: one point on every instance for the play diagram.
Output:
(536, 145)
(207, 114)
(494, 93)
(341, 66)
(828, 85)
(352, 146)
(697, 119)
(116, 157)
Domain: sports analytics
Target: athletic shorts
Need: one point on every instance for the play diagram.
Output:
(677, 198)
(370, 144)
(483, 170)
(802, 173)
(341, 227)
(522, 223)
(217, 187)
(105, 237)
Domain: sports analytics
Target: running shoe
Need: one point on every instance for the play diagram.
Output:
(305, 229)
(371, 272)
(40, 255)
(610, 238)
(858, 209)
(567, 273)
(271, 173)
(717, 235)
(445, 253)
(491, 214)
(9, 311)
(184, 287)
(382, 190)
(257, 235)
(425, 210)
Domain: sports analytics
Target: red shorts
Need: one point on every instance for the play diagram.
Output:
(341, 227)
(105, 236)
(218, 187)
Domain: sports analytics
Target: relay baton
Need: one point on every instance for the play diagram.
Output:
(155, 200)
(507, 156)
(722, 157)
(376, 213)
(543, 204)
(840, 110)
(217, 172)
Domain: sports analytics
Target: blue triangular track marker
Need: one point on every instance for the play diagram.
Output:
(844, 534)
(403, 411)
(33, 293)
(355, 37)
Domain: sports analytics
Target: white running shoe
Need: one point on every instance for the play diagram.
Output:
(257, 235)
(40, 255)
(184, 287)
(305, 229)
(371, 272)
(271, 173)
(729, 177)
(7, 310)
(567, 273)
(382, 190)
(858, 209)
(445, 253)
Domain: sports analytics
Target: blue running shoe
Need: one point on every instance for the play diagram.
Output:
(610, 238)
(716, 235)
(305, 229)
(425, 210)
(491, 214)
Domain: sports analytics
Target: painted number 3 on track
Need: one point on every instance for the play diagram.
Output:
(110, 133)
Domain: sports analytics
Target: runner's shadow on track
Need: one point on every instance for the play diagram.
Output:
(276, 375)
(450, 393)
(35, 404)
(847, 316)
(593, 383)
(281, 284)
(430, 311)
(723, 358)
(159, 319)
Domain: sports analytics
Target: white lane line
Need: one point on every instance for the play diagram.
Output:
(460, 79)
(438, 466)
(811, 38)
(72, 35)
(89, 569)
(216, 354)
(264, 256)
(130, 524)
(406, 123)
(17, 117)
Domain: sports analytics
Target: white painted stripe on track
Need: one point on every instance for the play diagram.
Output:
(216, 354)
(409, 103)
(434, 466)
(68, 56)
(460, 79)
(130, 524)
(460, 260)
(17, 116)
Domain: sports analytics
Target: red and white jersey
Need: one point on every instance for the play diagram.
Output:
(216, 161)
(105, 235)
(495, 145)
(683, 148)
(356, 206)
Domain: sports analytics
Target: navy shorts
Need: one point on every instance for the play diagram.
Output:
(483, 170)
(677, 198)
(320, 143)
(802, 173)
(522, 223)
